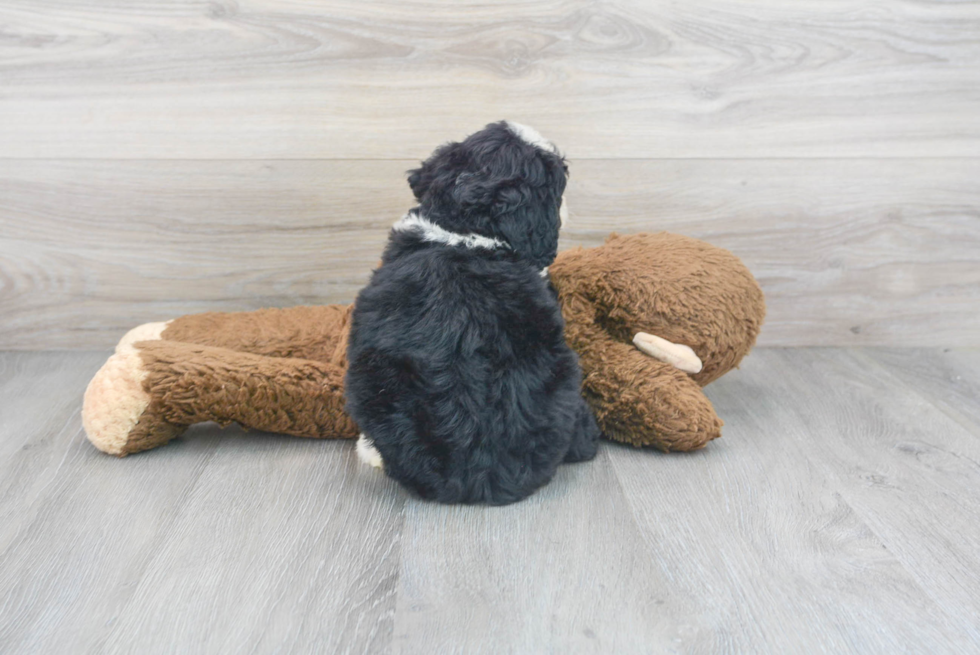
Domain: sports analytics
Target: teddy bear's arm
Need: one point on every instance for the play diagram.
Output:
(636, 398)
(646, 402)
(150, 391)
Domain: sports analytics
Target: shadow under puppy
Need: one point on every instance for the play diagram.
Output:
(458, 371)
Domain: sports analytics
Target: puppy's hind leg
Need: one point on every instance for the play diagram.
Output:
(585, 437)
(367, 453)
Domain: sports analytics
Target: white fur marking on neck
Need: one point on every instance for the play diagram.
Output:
(530, 135)
(432, 232)
(544, 272)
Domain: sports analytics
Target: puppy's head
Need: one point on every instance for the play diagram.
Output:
(505, 182)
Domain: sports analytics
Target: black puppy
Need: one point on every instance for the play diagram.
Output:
(458, 371)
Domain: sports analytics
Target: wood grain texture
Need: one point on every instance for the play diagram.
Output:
(281, 547)
(222, 542)
(837, 514)
(39, 406)
(866, 252)
(627, 78)
(849, 252)
(908, 471)
(565, 571)
(90, 249)
(757, 530)
(948, 378)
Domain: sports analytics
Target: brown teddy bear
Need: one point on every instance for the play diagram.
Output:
(653, 318)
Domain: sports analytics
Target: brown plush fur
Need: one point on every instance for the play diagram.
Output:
(317, 333)
(282, 370)
(675, 287)
(289, 395)
(277, 370)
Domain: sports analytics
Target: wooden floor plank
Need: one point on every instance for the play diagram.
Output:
(286, 545)
(79, 549)
(762, 539)
(837, 514)
(564, 571)
(223, 540)
(948, 377)
(908, 471)
(629, 78)
(40, 404)
(90, 249)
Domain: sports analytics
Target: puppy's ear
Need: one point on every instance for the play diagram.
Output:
(531, 229)
(521, 197)
(437, 171)
(419, 181)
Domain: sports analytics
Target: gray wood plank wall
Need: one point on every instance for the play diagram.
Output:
(160, 159)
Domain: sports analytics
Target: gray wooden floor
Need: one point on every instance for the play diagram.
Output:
(839, 513)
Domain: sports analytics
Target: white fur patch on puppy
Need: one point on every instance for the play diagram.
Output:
(367, 453)
(531, 136)
(435, 234)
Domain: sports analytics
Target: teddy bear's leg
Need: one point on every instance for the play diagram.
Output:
(316, 332)
(115, 410)
(643, 401)
(159, 387)
(190, 383)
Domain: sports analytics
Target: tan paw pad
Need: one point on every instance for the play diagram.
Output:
(114, 401)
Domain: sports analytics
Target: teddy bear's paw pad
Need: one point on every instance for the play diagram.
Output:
(114, 402)
(367, 453)
(145, 332)
(676, 354)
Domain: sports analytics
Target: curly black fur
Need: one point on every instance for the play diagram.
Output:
(457, 365)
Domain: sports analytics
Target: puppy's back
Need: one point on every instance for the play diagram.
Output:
(459, 374)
